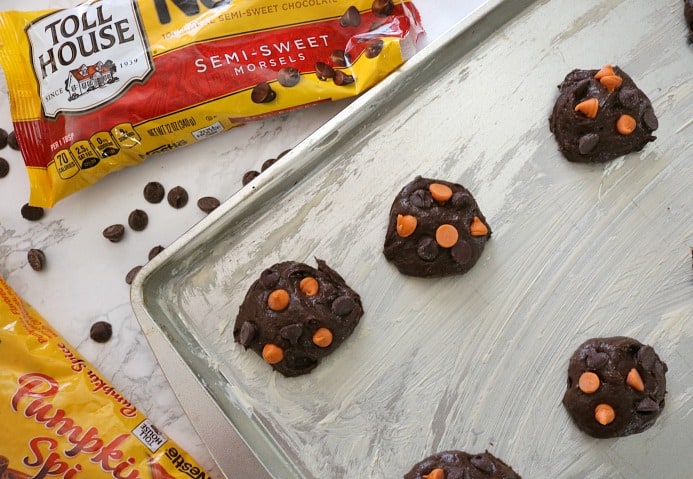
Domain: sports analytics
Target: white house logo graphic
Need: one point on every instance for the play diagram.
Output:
(87, 78)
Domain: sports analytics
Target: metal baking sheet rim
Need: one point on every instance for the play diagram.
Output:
(226, 444)
(479, 25)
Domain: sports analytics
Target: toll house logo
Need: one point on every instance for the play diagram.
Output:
(76, 54)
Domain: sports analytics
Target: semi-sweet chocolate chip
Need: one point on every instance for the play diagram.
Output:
(154, 251)
(208, 204)
(36, 259)
(177, 197)
(373, 48)
(154, 192)
(101, 331)
(341, 78)
(12, 141)
(247, 334)
(267, 163)
(288, 77)
(4, 167)
(249, 176)
(130, 276)
(262, 93)
(339, 58)
(323, 71)
(383, 8)
(351, 18)
(138, 220)
(32, 213)
(114, 233)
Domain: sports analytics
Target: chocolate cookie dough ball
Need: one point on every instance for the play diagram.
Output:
(460, 465)
(616, 387)
(294, 315)
(688, 14)
(435, 229)
(600, 115)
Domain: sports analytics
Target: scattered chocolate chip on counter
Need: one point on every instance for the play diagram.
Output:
(130, 277)
(208, 204)
(3, 138)
(32, 213)
(12, 141)
(267, 164)
(101, 331)
(177, 197)
(155, 251)
(249, 176)
(138, 220)
(36, 259)
(4, 167)
(114, 233)
(154, 192)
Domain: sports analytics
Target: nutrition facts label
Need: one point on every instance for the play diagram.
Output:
(85, 154)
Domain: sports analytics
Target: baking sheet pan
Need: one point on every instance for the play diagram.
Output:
(477, 361)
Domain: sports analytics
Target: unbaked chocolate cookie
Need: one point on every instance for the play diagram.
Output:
(435, 229)
(461, 465)
(616, 387)
(600, 115)
(294, 315)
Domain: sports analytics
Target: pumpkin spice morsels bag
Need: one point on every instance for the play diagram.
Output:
(62, 419)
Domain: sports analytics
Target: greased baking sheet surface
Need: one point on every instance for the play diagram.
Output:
(474, 362)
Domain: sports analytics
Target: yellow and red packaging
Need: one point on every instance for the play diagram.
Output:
(62, 419)
(108, 83)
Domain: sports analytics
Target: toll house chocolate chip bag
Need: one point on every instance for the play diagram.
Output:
(104, 85)
(62, 419)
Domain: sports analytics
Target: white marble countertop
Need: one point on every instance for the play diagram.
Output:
(84, 277)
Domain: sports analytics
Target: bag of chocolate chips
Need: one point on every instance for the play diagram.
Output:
(61, 418)
(106, 84)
